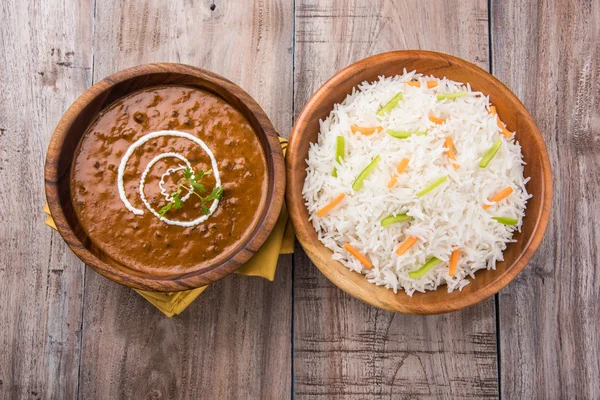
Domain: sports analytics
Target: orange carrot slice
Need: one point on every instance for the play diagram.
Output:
(437, 120)
(407, 244)
(450, 146)
(331, 205)
(363, 260)
(399, 169)
(503, 129)
(365, 130)
(501, 195)
(501, 125)
(453, 262)
(430, 84)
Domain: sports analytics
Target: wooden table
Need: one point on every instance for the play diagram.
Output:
(66, 332)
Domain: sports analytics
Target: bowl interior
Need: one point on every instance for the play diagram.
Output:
(512, 112)
(85, 110)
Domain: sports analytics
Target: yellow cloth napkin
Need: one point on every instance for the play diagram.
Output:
(263, 263)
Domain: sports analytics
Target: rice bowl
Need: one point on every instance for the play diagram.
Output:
(447, 218)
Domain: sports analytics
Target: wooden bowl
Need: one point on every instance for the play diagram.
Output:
(513, 113)
(82, 113)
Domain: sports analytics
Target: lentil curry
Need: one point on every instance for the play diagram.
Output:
(201, 169)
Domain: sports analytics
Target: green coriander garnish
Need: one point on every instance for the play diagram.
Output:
(191, 183)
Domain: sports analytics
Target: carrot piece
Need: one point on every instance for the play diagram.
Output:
(431, 84)
(501, 125)
(399, 169)
(331, 205)
(363, 260)
(453, 262)
(407, 244)
(366, 130)
(450, 146)
(437, 120)
(503, 129)
(501, 195)
(413, 83)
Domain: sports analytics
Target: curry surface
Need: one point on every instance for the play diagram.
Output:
(143, 242)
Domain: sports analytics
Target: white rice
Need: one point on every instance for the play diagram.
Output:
(451, 215)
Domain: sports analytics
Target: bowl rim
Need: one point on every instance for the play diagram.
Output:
(296, 203)
(269, 212)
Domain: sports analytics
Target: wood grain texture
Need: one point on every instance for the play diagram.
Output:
(549, 54)
(344, 348)
(234, 340)
(513, 113)
(45, 62)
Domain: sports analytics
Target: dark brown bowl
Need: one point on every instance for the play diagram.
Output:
(82, 113)
(513, 113)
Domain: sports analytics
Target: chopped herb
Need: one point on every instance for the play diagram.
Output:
(392, 219)
(506, 220)
(490, 154)
(191, 178)
(404, 134)
(198, 186)
(216, 193)
(177, 202)
(189, 174)
(340, 149)
(165, 209)
(454, 95)
(432, 262)
(435, 184)
(201, 174)
(390, 105)
(360, 179)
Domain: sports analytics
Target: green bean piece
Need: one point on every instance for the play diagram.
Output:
(340, 149)
(454, 95)
(360, 179)
(390, 105)
(392, 219)
(506, 220)
(404, 134)
(490, 154)
(432, 262)
(435, 184)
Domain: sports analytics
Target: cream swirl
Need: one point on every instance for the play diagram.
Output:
(141, 141)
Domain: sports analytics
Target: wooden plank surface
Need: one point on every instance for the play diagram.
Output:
(548, 53)
(66, 332)
(234, 340)
(342, 347)
(44, 64)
